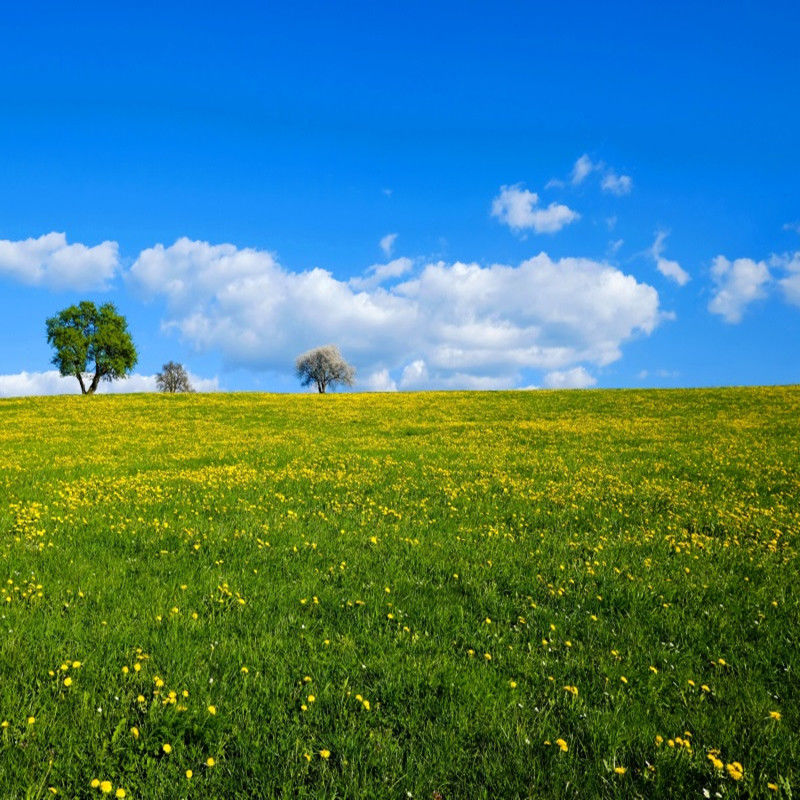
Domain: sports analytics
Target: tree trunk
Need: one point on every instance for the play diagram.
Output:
(95, 382)
(80, 381)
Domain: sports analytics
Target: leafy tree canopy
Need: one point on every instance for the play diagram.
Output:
(90, 340)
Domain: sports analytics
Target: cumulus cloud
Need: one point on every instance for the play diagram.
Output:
(790, 284)
(449, 326)
(519, 209)
(616, 184)
(52, 263)
(387, 243)
(670, 269)
(381, 273)
(24, 384)
(379, 381)
(575, 378)
(737, 284)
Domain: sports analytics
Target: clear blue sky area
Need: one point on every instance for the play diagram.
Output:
(308, 132)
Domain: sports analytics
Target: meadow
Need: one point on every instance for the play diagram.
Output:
(438, 595)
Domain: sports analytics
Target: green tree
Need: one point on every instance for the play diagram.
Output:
(89, 339)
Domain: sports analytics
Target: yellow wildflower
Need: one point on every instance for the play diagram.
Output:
(735, 770)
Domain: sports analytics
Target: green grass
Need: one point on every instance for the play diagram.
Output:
(639, 546)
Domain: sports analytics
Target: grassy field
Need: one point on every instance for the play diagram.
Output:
(466, 595)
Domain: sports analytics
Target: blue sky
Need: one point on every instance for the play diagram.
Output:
(552, 176)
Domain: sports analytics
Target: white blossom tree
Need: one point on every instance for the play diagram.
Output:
(324, 366)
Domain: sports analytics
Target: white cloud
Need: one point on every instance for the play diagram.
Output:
(582, 168)
(614, 246)
(790, 284)
(379, 381)
(611, 182)
(50, 262)
(518, 208)
(575, 378)
(670, 269)
(452, 325)
(381, 273)
(387, 243)
(792, 226)
(616, 184)
(737, 284)
(416, 377)
(658, 373)
(24, 384)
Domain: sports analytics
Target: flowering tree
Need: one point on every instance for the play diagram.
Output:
(324, 366)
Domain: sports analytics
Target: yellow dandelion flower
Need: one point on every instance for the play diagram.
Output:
(95, 783)
(67, 681)
(773, 787)
(135, 732)
(735, 770)
(189, 774)
(620, 770)
(212, 710)
(487, 656)
(120, 793)
(365, 703)
(775, 714)
(210, 762)
(326, 754)
(106, 787)
(31, 720)
(167, 748)
(562, 745)
(245, 670)
(307, 756)
(512, 684)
